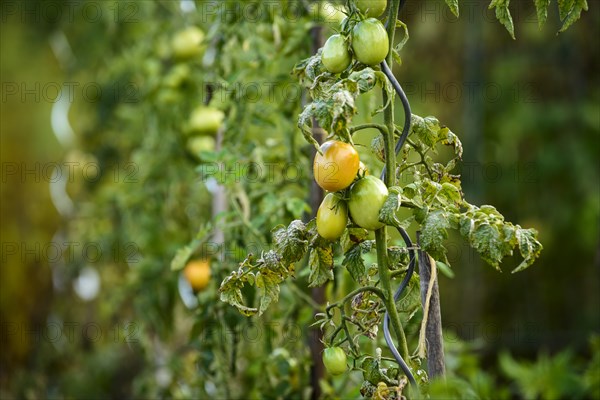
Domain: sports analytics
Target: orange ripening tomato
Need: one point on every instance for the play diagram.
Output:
(197, 273)
(337, 167)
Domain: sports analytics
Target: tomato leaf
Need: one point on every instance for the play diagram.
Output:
(378, 147)
(410, 302)
(268, 278)
(453, 5)
(406, 36)
(181, 257)
(398, 257)
(353, 236)
(434, 232)
(334, 104)
(374, 373)
(573, 13)
(354, 262)
(541, 7)
(291, 241)
(388, 211)
(487, 240)
(493, 238)
(529, 247)
(183, 254)
(320, 263)
(291, 244)
(445, 269)
(426, 129)
(364, 311)
(503, 15)
(564, 8)
(230, 291)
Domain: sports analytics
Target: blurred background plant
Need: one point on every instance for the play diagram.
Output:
(108, 190)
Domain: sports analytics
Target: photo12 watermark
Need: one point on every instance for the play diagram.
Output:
(67, 171)
(70, 251)
(70, 11)
(68, 332)
(71, 91)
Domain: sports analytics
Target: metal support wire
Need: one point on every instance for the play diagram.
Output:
(407, 111)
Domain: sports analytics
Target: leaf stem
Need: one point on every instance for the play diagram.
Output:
(353, 347)
(353, 293)
(381, 128)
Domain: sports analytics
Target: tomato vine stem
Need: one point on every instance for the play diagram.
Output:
(381, 237)
(375, 290)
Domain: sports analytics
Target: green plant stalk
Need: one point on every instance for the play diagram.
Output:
(386, 284)
(390, 180)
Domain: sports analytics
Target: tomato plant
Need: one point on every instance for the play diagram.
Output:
(427, 190)
(336, 165)
(334, 359)
(196, 118)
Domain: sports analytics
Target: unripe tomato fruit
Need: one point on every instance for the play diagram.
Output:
(371, 8)
(335, 55)
(205, 120)
(331, 13)
(188, 43)
(332, 217)
(336, 168)
(367, 196)
(370, 42)
(199, 144)
(197, 273)
(334, 360)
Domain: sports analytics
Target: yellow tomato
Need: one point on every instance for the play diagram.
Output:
(197, 273)
(337, 167)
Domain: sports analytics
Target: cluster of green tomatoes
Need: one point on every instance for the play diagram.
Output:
(368, 41)
(338, 170)
(337, 167)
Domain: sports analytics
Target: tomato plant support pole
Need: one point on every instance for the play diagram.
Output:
(390, 180)
(433, 328)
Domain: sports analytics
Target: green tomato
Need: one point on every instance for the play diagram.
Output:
(199, 144)
(370, 42)
(367, 196)
(332, 217)
(330, 13)
(371, 8)
(188, 43)
(334, 360)
(205, 120)
(177, 76)
(335, 55)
